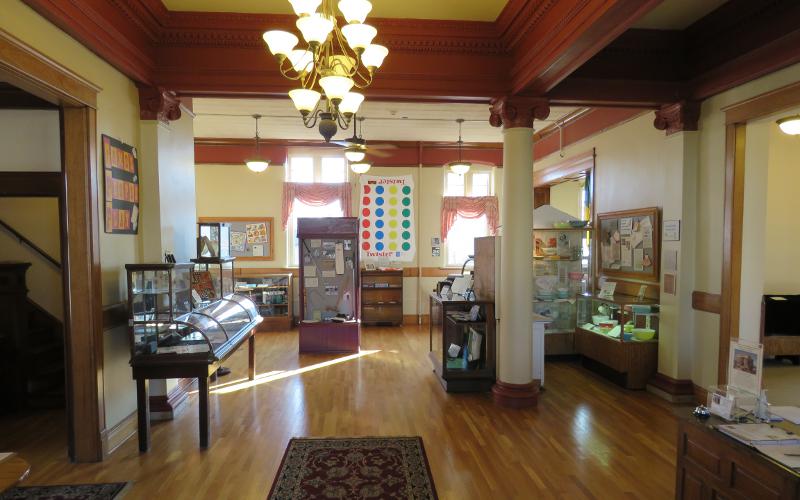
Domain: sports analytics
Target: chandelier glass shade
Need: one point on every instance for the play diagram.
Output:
(257, 163)
(360, 167)
(331, 63)
(790, 125)
(354, 154)
(459, 167)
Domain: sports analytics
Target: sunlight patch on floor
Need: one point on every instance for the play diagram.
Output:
(272, 376)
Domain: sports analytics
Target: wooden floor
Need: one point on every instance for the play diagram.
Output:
(587, 438)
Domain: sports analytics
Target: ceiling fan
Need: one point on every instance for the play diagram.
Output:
(460, 166)
(355, 148)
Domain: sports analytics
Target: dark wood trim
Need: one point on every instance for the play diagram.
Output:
(30, 184)
(673, 387)
(700, 395)
(708, 302)
(115, 316)
(763, 105)
(571, 166)
(516, 396)
(13, 98)
(170, 402)
(33, 246)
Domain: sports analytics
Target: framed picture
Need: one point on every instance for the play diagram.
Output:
(121, 186)
(251, 238)
(628, 245)
(745, 363)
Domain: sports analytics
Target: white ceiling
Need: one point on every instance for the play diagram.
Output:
(398, 121)
(677, 14)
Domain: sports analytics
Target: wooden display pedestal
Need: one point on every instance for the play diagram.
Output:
(328, 337)
(637, 362)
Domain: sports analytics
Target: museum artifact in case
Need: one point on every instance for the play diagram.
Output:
(272, 294)
(329, 284)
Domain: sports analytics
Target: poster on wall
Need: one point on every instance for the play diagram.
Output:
(121, 179)
(251, 237)
(387, 218)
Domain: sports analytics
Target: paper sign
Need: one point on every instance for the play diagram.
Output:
(721, 405)
(329, 274)
(258, 250)
(647, 232)
(625, 226)
(312, 282)
(314, 243)
(672, 230)
(642, 292)
(671, 261)
(626, 257)
(608, 288)
(310, 271)
(670, 284)
(638, 259)
(339, 258)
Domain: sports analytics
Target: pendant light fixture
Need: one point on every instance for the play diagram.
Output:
(790, 125)
(360, 167)
(257, 163)
(459, 167)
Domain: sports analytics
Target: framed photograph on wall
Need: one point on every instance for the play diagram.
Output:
(121, 183)
(628, 244)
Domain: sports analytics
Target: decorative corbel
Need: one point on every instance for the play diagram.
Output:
(156, 103)
(681, 116)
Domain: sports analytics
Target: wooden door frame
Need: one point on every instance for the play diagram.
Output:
(736, 118)
(76, 98)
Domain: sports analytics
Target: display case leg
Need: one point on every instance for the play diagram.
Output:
(202, 386)
(251, 354)
(143, 412)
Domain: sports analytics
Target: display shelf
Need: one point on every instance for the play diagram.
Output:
(382, 305)
(273, 296)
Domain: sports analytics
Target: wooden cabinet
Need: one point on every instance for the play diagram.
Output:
(382, 297)
(711, 465)
(273, 296)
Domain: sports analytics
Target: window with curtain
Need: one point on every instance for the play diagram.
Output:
(306, 177)
(461, 230)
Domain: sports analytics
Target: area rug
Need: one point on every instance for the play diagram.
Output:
(103, 491)
(366, 467)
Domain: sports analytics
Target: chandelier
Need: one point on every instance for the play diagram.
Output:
(257, 163)
(333, 61)
(459, 167)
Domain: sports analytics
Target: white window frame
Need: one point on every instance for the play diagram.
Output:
(292, 256)
(467, 192)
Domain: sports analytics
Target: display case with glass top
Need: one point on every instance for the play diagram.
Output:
(158, 292)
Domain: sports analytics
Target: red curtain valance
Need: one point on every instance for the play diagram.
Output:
(316, 195)
(469, 207)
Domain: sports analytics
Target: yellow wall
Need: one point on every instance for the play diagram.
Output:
(30, 140)
(232, 191)
(567, 197)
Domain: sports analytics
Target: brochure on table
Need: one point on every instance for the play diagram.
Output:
(742, 395)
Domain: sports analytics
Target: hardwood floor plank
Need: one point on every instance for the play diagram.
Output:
(587, 439)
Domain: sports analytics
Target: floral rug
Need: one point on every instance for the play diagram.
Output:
(104, 491)
(367, 467)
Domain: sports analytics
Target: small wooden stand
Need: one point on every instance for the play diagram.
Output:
(382, 304)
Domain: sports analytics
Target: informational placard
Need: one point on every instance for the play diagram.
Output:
(745, 364)
(121, 179)
(628, 244)
(251, 237)
(387, 218)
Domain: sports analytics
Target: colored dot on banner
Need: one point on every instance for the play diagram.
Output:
(378, 223)
(365, 223)
(393, 212)
(379, 201)
(406, 202)
(393, 189)
(365, 212)
(379, 246)
(406, 235)
(379, 189)
(367, 190)
(406, 224)
(365, 245)
(392, 223)
(406, 212)
(392, 246)
(406, 190)
(406, 246)
(379, 212)
(379, 235)
(393, 201)
(392, 234)
(365, 235)
(365, 201)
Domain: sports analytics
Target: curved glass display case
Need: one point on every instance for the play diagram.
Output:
(204, 331)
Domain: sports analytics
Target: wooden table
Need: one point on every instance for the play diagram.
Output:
(13, 469)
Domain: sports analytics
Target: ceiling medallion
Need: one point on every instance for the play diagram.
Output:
(333, 61)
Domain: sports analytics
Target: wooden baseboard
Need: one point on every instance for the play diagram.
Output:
(413, 319)
(671, 386)
(165, 407)
(114, 437)
(708, 302)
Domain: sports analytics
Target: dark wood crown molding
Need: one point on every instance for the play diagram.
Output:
(678, 117)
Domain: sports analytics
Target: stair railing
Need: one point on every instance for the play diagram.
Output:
(25, 241)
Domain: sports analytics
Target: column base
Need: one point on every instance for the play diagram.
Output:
(516, 395)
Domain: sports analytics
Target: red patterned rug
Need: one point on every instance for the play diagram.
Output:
(368, 467)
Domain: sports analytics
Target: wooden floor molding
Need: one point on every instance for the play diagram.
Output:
(114, 437)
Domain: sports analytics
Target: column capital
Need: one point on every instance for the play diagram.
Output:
(156, 103)
(681, 116)
(517, 111)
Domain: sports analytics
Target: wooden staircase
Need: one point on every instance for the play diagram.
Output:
(31, 347)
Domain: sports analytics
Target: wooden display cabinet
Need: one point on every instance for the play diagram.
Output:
(448, 326)
(272, 294)
(381, 297)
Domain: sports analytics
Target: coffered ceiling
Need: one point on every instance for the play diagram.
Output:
(677, 14)
(462, 10)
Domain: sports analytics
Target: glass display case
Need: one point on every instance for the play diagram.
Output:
(621, 317)
(562, 271)
(158, 292)
(329, 284)
(213, 240)
(272, 294)
(462, 342)
(212, 277)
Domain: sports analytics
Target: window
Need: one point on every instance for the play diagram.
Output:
(459, 244)
(308, 167)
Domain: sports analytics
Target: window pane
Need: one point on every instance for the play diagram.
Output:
(301, 169)
(460, 242)
(333, 170)
(480, 184)
(454, 185)
(300, 209)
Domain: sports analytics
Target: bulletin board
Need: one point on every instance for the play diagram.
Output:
(628, 244)
(252, 238)
(121, 182)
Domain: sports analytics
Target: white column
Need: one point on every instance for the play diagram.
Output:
(515, 386)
